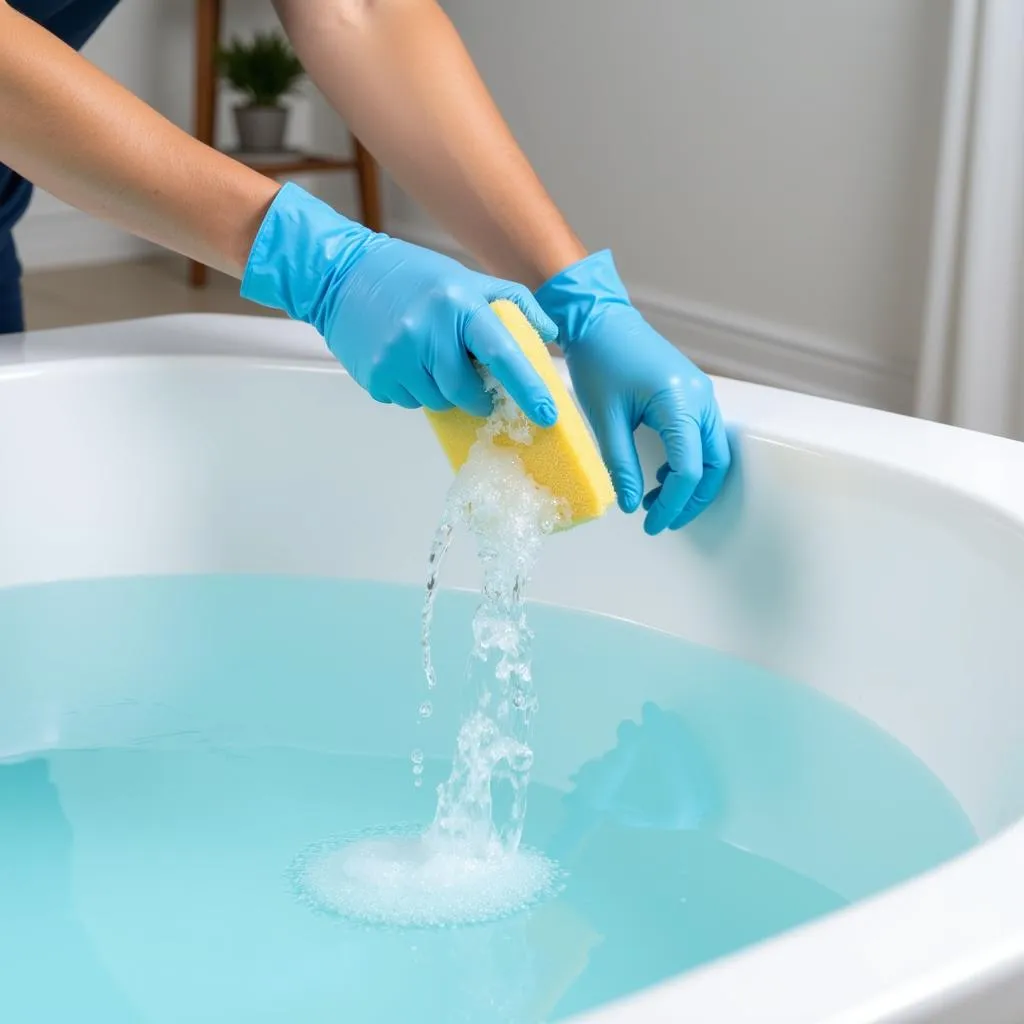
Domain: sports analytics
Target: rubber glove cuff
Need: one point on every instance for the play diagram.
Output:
(302, 249)
(576, 297)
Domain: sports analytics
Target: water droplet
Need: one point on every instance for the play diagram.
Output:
(426, 709)
(417, 757)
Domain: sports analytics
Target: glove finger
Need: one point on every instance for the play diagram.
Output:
(680, 435)
(524, 299)
(486, 337)
(425, 391)
(461, 384)
(717, 460)
(401, 397)
(717, 451)
(652, 495)
(614, 431)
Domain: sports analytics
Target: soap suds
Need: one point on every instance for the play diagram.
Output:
(400, 878)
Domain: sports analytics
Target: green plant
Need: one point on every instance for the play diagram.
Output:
(264, 69)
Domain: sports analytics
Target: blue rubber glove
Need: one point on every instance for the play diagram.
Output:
(624, 374)
(404, 321)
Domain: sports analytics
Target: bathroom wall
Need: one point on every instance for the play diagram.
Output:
(764, 172)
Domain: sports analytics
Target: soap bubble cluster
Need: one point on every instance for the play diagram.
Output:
(401, 878)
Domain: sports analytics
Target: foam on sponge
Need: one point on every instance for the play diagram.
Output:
(563, 459)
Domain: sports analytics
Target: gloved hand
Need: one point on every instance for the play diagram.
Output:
(624, 374)
(403, 320)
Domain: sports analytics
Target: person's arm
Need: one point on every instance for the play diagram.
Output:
(398, 73)
(72, 130)
(404, 321)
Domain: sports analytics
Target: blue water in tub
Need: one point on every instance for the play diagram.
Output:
(170, 748)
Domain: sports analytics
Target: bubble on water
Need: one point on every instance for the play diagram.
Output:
(426, 709)
(416, 756)
(401, 878)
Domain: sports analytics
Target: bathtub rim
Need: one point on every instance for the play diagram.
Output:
(940, 934)
(975, 465)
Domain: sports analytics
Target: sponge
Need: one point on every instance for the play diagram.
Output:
(563, 458)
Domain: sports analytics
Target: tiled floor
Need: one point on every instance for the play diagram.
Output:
(121, 291)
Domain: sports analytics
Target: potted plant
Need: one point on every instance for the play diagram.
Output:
(263, 70)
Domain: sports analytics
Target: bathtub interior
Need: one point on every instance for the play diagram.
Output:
(888, 592)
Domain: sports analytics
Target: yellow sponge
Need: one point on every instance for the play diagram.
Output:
(562, 458)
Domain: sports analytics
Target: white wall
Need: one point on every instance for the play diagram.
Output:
(763, 171)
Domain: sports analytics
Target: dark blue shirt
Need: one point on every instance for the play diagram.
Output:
(74, 21)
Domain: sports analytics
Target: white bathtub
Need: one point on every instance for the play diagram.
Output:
(877, 558)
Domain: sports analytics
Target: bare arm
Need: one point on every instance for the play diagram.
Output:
(399, 75)
(75, 132)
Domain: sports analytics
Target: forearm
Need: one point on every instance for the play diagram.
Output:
(401, 78)
(78, 134)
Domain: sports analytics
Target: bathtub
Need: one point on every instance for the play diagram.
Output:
(877, 558)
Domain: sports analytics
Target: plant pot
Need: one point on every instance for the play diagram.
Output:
(261, 129)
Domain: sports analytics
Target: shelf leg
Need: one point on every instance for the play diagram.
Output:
(208, 15)
(369, 187)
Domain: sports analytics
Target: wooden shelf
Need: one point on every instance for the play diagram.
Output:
(274, 164)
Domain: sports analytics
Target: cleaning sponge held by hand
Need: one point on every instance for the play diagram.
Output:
(564, 458)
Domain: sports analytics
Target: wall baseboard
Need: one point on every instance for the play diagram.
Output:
(55, 235)
(731, 344)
